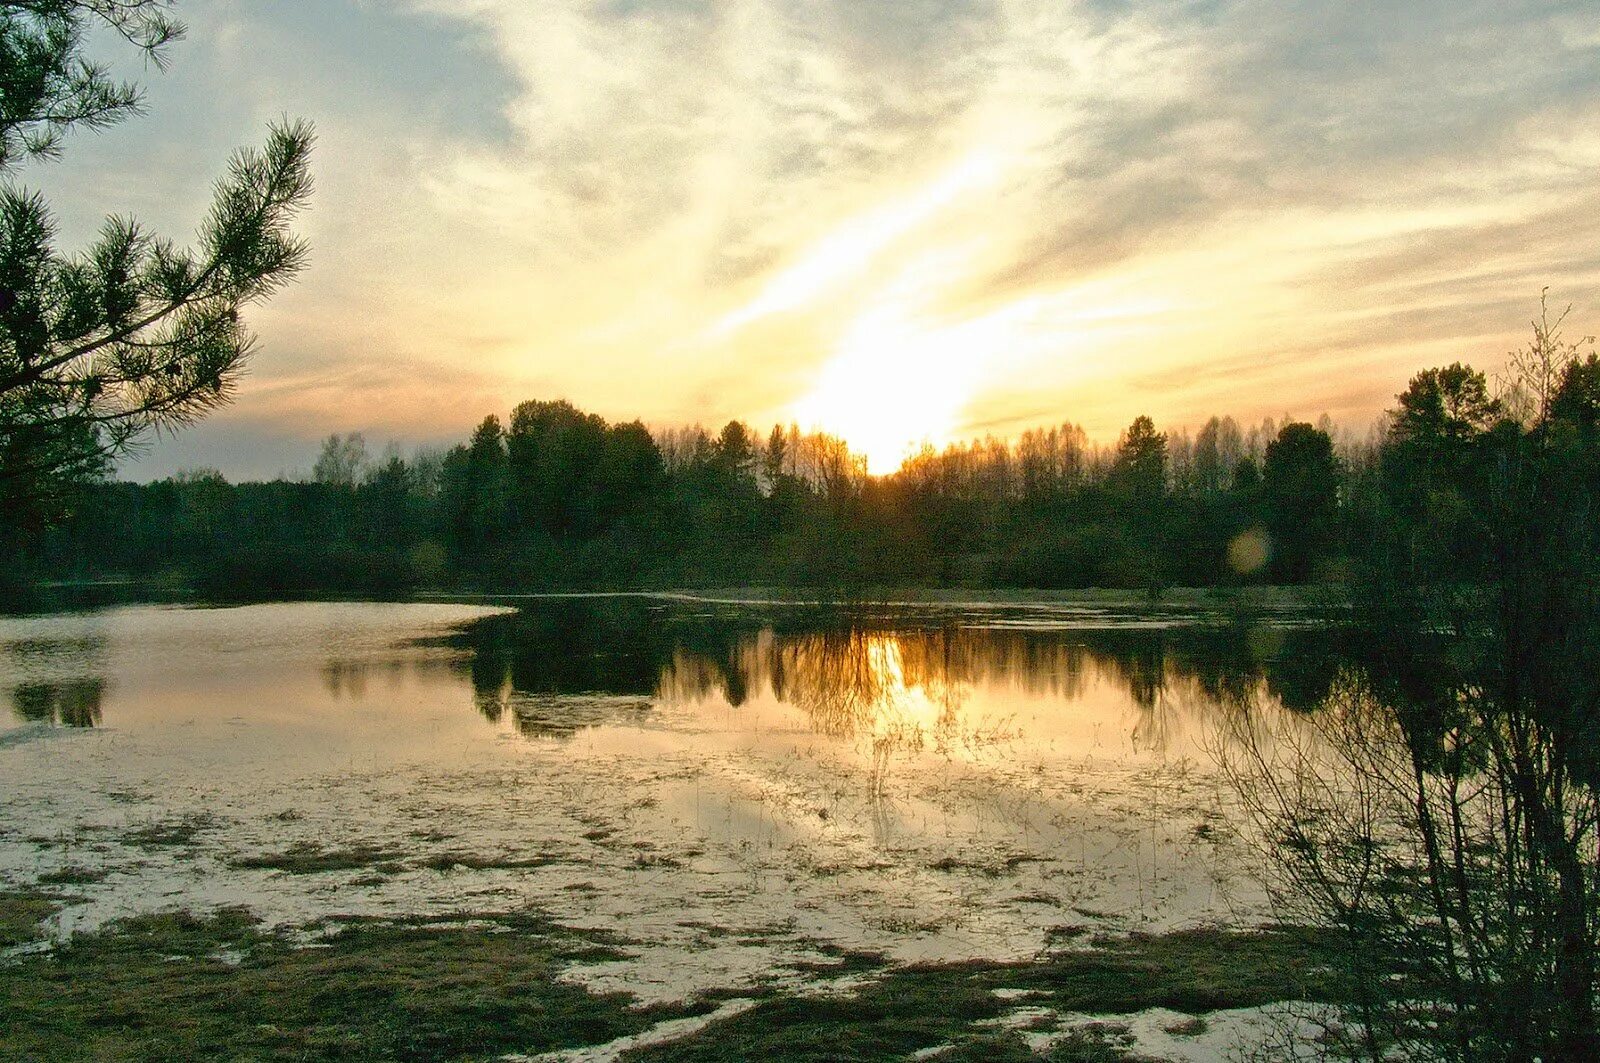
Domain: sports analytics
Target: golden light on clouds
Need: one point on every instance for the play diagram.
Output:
(842, 256)
(899, 221)
(897, 377)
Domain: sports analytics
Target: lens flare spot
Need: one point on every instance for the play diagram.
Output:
(1250, 551)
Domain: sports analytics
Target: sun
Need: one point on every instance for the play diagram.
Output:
(878, 427)
(903, 369)
(896, 384)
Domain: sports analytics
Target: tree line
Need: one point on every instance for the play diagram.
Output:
(554, 497)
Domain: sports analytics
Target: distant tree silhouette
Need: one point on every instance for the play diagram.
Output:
(1433, 463)
(1142, 459)
(553, 451)
(1217, 451)
(736, 451)
(774, 459)
(1300, 497)
(1441, 415)
(1140, 552)
(343, 460)
(1577, 400)
(631, 474)
(1246, 476)
(477, 494)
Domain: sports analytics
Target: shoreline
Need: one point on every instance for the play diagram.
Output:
(1269, 598)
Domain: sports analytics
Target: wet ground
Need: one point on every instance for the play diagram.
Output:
(739, 790)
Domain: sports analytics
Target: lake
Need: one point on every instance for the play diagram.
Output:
(735, 787)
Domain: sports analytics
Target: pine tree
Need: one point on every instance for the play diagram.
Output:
(100, 347)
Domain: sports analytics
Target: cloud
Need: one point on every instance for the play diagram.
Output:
(686, 208)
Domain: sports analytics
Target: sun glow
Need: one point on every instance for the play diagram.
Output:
(904, 376)
(888, 391)
(900, 380)
(889, 292)
(843, 254)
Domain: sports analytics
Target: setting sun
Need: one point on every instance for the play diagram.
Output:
(895, 384)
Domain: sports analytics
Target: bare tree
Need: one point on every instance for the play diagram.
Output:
(1441, 808)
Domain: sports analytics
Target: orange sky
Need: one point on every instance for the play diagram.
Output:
(899, 221)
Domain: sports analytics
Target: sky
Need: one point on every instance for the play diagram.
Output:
(899, 221)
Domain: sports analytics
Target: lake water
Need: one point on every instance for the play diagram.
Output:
(736, 788)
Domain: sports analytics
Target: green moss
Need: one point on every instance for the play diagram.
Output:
(166, 834)
(73, 876)
(313, 859)
(476, 862)
(1192, 971)
(218, 987)
(21, 916)
(1097, 1043)
(909, 1009)
(1193, 1026)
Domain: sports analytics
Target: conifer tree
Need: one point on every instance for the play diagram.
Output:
(102, 346)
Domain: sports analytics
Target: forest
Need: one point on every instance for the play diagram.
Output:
(555, 498)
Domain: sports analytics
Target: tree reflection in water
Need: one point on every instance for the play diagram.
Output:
(70, 703)
(60, 682)
(895, 681)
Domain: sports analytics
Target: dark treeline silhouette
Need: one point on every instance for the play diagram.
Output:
(1442, 811)
(558, 498)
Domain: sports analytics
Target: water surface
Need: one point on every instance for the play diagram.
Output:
(733, 786)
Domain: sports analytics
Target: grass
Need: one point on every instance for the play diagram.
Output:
(166, 834)
(1096, 1044)
(21, 914)
(474, 862)
(73, 876)
(1193, 1026)
(910, 1009)
(180, 986)
(313, 859)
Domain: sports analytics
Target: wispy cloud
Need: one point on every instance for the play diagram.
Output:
(768, 208)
